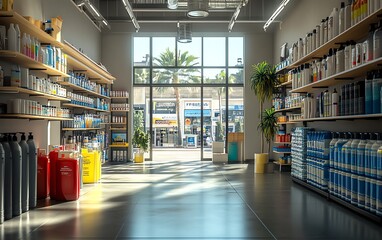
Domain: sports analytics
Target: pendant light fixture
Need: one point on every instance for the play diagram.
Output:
(184, 32)
(197, 8)
(172, 4)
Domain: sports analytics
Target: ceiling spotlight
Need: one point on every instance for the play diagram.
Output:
(184, 33)
(197, 8)
(172, 4)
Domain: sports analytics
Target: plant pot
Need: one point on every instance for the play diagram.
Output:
(139, 157)
(260, 160)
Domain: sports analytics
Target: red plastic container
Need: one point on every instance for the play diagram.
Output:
(53, 155)
(67, 179)
(43, 176)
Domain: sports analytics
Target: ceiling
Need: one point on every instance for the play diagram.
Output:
(156, 10)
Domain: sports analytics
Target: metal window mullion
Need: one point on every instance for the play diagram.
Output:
(151, 99)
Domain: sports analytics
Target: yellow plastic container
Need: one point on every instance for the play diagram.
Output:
(260, 160)
(138, 158)
(91, 166)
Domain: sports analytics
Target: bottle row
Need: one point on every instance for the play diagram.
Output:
(19, 178)
(81, 80)
(331, 26)
(21, 77)
(28, 107)
(81, 100)
(119, 94)
(118, 119)
(119, 155)
(283, 138)
(31, 47)
(84, 121)
(294, 100)
(120, 107)
(363, 97)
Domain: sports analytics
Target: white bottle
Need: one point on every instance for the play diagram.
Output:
(329, 62)
(347, 17)
(15, 76)
(377, 38)
(18, 37)
(322, 32)
(326, 30)
(29, 44)
(12, 38)
(347, 56)
(370, 7)
(377, 5)
(341, 18)
(335, 19)
(340, 60)
(318, 35)
(24, 44)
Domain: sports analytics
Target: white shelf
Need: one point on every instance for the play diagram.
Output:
(83, 107)
(32, 117)
(350, 117)
(15, 90)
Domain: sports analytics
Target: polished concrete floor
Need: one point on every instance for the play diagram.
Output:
(191, 200)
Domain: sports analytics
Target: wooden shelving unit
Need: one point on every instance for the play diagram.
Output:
(15, 90)
(282, 123)
(119, 97)
(119, 146)
(33, 117)
(282, 152)
(83, 107)
(356, 33)
(282, 142)
(27, 62)
(341, 77)
(284, 84)
(81, 89)
(122, 111)
(118, 129)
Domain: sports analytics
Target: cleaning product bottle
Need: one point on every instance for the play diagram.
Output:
(2, 165)
(12, 38)
(24, 44)
(369, 93)
(346, 153)
(347, 17)
(377, 41)
(379, 163)
(373, 155)
(32, 172)
(361, 154)
(338, 151)
(370, 44)
(25, 174)
(370, 7)
(340, 59)
(376, 91)
(334, 96)
(322, 33)
(18, 37)
(353, 153)
(341, 18)
(7, 178)
(368, 147)
(16, 176)
(334, 19)
(347, 56)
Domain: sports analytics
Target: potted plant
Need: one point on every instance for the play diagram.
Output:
(263, 83)
(268, 125)
(141, 140)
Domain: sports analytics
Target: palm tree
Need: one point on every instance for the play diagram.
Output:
(173, 75)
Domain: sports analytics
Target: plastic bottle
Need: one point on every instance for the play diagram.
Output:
(341, 18)
(364, 9)
(370, 7)
(322, 32)
(326, 30)
(370, 44)
(24, 44)
(330, 63)
(335, 110)
(369, 93)
(334, 24)
(374, 156)
(338, 151)
(377, 44)
(32, 172)
(340, 59)
(376, 91)
(346, 153)
(29, 46)
(7, 178)
(2, 166)
(347, 17)
(377, 5)
(379, 163)
(361, 154)
(368, 147)
(18, 37)
(16, 176)
(353, 154)
(12, 38)
(1, 77)
(25, 174)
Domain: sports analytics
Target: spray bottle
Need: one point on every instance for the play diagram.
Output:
(25, 173)
(373, 155)
(376, 91)
(16, 176)
(361, 154)
(32, 172)
(368, 147)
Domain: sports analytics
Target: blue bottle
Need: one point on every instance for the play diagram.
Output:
(374, 155)
(376, 86)
(361, 154)
(369, 93)
(368, 146)
(353, 152)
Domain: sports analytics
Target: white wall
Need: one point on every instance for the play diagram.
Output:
(117, 56)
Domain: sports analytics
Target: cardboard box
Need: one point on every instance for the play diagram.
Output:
(7, 5)
(56, 25)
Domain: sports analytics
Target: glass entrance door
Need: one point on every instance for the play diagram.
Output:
(176, 123)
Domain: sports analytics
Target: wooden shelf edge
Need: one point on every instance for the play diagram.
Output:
(284, 84)
(80, 129)
(282, 164)
(288, 109)
(282, 152)
(119, 110)
(11, 90)
(282, 142)
(76, 87)
(25, 116)
(348, 117)
(119, 146)
(119, 97)
(83, 107)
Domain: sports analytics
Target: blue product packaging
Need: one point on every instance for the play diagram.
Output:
(361, 192)
(354, 189)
